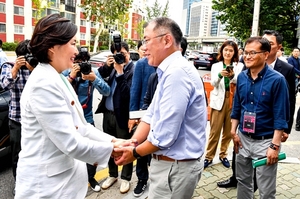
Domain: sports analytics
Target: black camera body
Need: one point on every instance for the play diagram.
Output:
(82, 59)
(30, 60)
(119, 57)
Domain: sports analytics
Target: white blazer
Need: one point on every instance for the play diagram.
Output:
(217, 95)
(56, 140)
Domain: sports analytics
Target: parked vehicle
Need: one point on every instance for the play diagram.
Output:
(4, 130)
(205, 60)
(191, 55)
(99, 59)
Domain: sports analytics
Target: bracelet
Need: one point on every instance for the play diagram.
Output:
(220, 76)
(274, 146)
(71, 78)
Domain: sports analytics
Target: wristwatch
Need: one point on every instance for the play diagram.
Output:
(135, 154)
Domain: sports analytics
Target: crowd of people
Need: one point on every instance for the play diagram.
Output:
(56, 147)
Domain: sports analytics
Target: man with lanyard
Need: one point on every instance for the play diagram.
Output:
(260, 112)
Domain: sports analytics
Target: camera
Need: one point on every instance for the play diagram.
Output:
(82, 59)
(119, 57)
(30, 60)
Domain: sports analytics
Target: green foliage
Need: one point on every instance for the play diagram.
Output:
(105, 11)
(131, 44)
(277, 15)
(103, 48)
(157, 10)
(9, 46)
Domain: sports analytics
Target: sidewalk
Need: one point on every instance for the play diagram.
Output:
(288, 179)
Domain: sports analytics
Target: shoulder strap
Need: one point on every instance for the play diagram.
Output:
(10, 63)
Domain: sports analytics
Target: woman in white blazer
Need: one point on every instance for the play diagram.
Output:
(56, 139)
(223, 79)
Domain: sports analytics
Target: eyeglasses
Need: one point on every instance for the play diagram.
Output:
(252, 53)
(145, 41)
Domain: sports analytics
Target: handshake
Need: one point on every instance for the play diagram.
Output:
(123, 151)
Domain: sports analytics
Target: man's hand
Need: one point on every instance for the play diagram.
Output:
(110, 60)
(272, 156)
(236, 141)
(74, 70)
(91, 76)
(284, 137)
(132, 123)
(127, 155)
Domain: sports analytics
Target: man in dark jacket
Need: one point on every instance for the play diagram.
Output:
(115, 108)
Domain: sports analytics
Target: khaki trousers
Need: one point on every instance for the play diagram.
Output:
(219, 120)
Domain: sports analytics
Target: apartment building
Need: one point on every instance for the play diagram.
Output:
(17, 19)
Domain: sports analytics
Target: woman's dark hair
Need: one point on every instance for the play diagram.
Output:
(21, 48)
(139, 44)
(235, 57)
(265, 44)
(51, 30)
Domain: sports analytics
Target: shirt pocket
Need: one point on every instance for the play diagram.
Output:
(58, 165)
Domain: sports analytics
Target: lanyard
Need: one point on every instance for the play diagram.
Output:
(260, 90)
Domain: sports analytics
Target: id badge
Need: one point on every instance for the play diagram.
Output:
(249, 122)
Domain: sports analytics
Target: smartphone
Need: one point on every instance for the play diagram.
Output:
(229, 68)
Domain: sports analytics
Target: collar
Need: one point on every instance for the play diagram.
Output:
(163, 66)
(260, 74)
(272, 65)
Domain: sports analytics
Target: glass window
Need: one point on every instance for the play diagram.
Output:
(82, 22)
(19, 29)
(2, 7)
(82, 36)
(18, 10)
(51, 11)
(2, 28)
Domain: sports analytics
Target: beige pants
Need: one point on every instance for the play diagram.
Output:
(219, 120)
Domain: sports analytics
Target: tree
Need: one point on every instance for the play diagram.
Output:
(104, 12)
(278, 15)
(40, 6)
(152, 12)
(157, 11)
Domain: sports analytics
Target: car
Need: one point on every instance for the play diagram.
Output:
(191, 55)
(205, 59)
(98, 60)
(4, 129)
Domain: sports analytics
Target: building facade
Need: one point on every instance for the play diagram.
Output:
(18, 18)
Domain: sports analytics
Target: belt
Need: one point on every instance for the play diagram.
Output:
(111, 112)
(166, 158)
(258, 137)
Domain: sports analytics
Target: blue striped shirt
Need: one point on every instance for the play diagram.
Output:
(177, 114)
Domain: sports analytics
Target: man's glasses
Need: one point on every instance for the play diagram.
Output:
(145, 41)
(252, 53)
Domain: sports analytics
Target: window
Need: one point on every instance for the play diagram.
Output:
(82, 22)
(2, 7)
(2, 28)
(18, 10)
(82, 36)
(51, 11)
(19, 29)
(93, 24)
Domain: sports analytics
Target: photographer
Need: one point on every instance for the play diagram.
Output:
(84, 79)
(115, 107)
(14, 78)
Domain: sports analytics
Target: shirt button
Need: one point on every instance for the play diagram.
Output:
(251, 102)
(76, 127)
(72, 103)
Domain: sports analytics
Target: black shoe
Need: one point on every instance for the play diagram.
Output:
(225, 162)
(94, 185)
(140, 188)
(297, 128)
(207, 162)
(231, 182)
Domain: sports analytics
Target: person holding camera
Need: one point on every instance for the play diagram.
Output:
(223, 79)
(14, 78)
(115, 108)
(84, 80)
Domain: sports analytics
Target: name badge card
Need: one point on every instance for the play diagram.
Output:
(249, 122)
